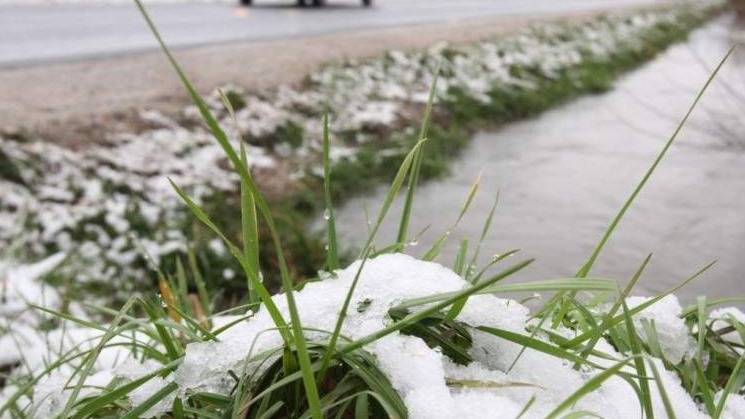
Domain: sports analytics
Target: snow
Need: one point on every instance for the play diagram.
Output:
(734, 407)
(420, 374)
(674, 336)
(426, 379)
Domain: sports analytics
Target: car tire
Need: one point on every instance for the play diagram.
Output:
(246, 2)
(302, 3)
(318, 3)
(367, 3)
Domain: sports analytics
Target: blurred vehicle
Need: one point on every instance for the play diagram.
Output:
(316, 3)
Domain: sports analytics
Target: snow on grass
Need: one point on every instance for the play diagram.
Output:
(104, 204)
(426, 379)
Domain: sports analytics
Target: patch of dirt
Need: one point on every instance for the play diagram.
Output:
(80, 103)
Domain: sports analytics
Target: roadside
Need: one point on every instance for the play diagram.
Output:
(83, 102)
(105, 203)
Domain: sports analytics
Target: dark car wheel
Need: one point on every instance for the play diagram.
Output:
(246, 2)
(318, 3)
(367, 3)
(302, 3)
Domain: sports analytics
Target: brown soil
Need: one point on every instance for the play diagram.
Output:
(83, 102)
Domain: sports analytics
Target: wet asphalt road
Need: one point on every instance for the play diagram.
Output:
(50, 33)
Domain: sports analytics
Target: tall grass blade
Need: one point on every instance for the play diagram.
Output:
(436, 248)
(219, 134)
(111, 397)
(250, 233)
(585, 270)
(734, 383)
(663, 393)
(526, 407)
(639, 364)
(616, 306)
(90, 360)
(484, 232)
(332, 251)
(416, 167)
(634, 311)
(568, 284)
(390, 196)
(138, 411)
(266, 298)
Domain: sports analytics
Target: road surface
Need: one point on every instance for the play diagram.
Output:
(52, 33)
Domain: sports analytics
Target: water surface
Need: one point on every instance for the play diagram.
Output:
(562, 176)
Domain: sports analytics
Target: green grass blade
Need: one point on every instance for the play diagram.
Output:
(734, 383)
(538, 345)
(332, 251)
(249, 218)
(150, 402)
(585, 270)
(436, 248)
(568, 284)
(663, 393)
(526, 407)
(250, 233)
(109, 398)
(416, 168)
(616, 306)
(460, 259)
(484, 232)
(641, 307)
(90, 360)
(219, 134)
(392, 192)
(639, 364)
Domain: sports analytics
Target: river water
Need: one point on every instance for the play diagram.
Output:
(562, 176)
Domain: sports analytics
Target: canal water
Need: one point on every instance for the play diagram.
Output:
(562, 176)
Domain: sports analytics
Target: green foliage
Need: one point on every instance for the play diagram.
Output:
(234, 99)
(290, 133)
(9, 170)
